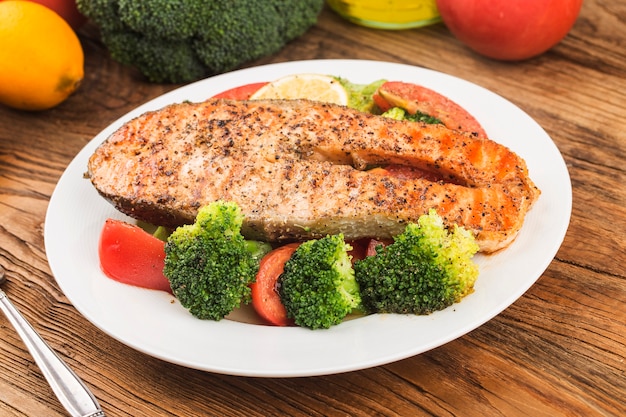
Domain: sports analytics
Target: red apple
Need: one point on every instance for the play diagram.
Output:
(509, 30)
(66, 9)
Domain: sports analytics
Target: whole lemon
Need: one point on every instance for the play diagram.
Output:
(41, 58)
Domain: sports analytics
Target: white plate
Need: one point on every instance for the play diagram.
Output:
(151, 322)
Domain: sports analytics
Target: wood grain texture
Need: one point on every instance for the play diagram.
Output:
(560, 350)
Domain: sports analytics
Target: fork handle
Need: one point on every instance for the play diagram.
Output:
(68, 387)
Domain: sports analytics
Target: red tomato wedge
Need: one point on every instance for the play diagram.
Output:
(131, 255)
(240, 93)
(365, 247)
(265, 297)
(359, 248)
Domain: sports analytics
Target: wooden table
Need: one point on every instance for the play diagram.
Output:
(559, 350)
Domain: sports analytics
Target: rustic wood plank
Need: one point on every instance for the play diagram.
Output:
(559, 350)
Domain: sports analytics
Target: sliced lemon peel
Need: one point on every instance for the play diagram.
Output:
(316, 87)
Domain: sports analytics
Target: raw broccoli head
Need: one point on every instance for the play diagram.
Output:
(317, 286)
(209, 263)
(427, 268)
(183, 40)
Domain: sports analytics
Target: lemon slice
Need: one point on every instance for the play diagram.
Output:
(304, 86)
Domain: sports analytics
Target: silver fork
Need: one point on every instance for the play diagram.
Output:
(68, 387)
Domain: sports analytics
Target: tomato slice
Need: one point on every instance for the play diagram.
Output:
(382, 104)
(131, 255)
(414, 98)
(265, 297)
(242, 92)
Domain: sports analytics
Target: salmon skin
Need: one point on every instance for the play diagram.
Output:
(299, 170)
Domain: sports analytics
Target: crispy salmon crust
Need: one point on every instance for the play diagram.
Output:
(299, 170)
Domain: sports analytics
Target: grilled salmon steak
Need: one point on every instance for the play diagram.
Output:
(301, 169)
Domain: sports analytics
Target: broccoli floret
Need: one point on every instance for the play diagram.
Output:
(183, 40)
(317, 286)
(399, 113)
(209, 263)
(396, 113)
(427, 268)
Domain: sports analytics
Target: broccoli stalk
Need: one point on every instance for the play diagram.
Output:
(427, 268)
(184, 40)
(209, 263)
(317, 286)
